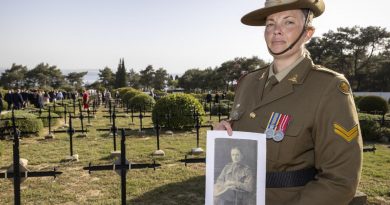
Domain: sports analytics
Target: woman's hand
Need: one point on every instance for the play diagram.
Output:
(224, 125)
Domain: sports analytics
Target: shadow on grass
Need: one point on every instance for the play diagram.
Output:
(191, 192)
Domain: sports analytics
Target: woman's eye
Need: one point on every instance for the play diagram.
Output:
(289, 22)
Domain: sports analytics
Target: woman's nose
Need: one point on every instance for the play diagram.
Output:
(277, 29)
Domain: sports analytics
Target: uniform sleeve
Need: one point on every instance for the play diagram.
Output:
(338, 148)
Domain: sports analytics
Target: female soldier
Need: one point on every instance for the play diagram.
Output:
(314, 146)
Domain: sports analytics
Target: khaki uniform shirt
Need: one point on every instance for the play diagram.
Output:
(242, 176)
(323, 132)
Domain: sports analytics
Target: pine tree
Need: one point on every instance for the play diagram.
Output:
(120, 75)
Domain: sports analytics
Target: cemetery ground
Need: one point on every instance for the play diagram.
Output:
(172, 183)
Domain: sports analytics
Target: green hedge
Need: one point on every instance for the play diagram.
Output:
(142, 100)
(181, 108)
(357, 99)
(45, 120)
(160, 93)
(230, 96)
(370, 127)
(5, 105)
(223, 108)
(371, 104)
(198, 96)
(30, 123)
(130, 93)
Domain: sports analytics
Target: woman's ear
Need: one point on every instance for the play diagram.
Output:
(309, 33)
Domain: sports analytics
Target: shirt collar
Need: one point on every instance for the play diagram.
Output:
(282, 74)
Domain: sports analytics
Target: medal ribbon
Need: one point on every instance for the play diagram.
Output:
(283, 123)
(274, 120)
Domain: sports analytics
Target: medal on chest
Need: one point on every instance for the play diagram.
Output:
(277, 126)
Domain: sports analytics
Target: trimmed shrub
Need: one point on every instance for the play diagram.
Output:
(370, 127)
(130, 94)
(181, 107)
(124, 90)
(373, 104)
(45, 120)
(230, 96)
(357, 99)
(223, 108)
(160, 93)
(30, 123)
(198, 96)
(385, 132)
(142, 100)
(5, 105)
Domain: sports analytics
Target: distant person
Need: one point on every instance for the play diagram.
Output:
(59, 96)
(209, 97)
(9, 99)
(40, 100)
(107, 98)
(17, 100)
(46, 97)
(216, 98)
(235, 184)
(1, 103)
(85, 100)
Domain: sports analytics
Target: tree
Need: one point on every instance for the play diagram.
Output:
(121, 75)
(134, 79)
(350, 51)
(13, 77)
(147, 77)
(76, 78)
(107, 78)
(230, 71)
(45, 76)
(191, 79)
(160, 78)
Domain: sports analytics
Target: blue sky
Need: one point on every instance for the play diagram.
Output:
(82, 35)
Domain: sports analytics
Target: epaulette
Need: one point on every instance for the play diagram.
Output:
(326, 70)
(343, 84)
(245, 74)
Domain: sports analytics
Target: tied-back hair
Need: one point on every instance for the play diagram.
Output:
(310, 17)
(309, 25)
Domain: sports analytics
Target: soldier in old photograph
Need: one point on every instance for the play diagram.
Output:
(235, 184)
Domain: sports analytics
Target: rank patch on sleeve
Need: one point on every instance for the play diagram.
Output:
(348, 135)
(344, 87)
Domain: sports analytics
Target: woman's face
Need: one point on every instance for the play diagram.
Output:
(283, 28)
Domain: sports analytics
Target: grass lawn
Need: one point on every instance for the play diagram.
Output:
(172, 183)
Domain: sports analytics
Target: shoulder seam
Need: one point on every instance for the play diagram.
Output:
(327, 70)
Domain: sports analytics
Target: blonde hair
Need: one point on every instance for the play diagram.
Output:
(309, 16)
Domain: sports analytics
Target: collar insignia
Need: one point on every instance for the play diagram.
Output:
(294, 78)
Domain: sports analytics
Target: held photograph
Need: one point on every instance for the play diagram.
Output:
(235, 168)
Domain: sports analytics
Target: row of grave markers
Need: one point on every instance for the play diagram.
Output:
(20, 165)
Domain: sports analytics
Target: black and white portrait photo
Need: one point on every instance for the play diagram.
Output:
(233, 170)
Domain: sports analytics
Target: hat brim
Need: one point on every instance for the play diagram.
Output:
(259, 16)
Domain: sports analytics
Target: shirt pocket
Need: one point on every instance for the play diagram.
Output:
(287, 146)
(283, 151)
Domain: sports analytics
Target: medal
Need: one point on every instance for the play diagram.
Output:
(269, 133)
(272, 125)
(278, 136)
(281, 128)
